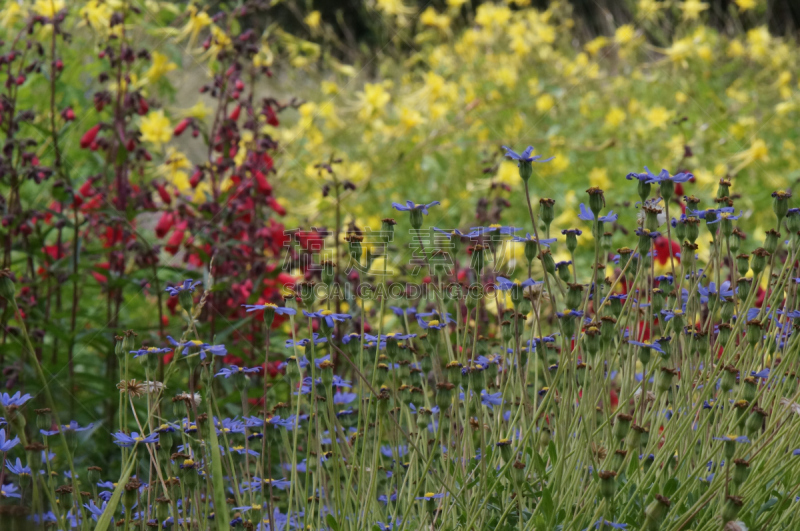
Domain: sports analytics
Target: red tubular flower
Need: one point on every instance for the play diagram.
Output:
(196, 177)
(272, 117)
(181, 127)
(165, 223)
(234, 115)
(68, 114)
(277, 207)
(143, 106)
(176, 239)
(162, 192)
(86, 189)
(88, 137)
(262, 184)
(662, 250)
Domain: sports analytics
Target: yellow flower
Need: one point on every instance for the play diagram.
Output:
(745, 5)
(758, 40)
(430, 17)
(614, 117)
(545, 102)
(172, 169)
(649, 9)
(155, 128)
(96, 14)
(681, 97)
(373, 100)
(456, 3)
(410, 118)
(197, 21)
(10, 14)
(394, 7)
(624, 34)
(313, 19)
(692, 9)
(735, 48)
(48, 8)
(658, 117)
(199, 110)
(161, 65)
(599, 177)
(758, 151)
(680, 50)
(596, 44)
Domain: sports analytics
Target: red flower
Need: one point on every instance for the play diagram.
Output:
(68, 114)
(234, 115)
(181, 127)
(162, 192)
(662, 250)
(194, 180)
(88, 137)
(176, 239)
(272, 118)
(261, 182)
(164, 224)
(274, 205)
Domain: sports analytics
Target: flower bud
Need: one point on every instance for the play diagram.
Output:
(546, 211)
(596, 200)
(759, 261)
(387, 229)
(622, 425)
(728, 380)
(741, 470)
(780, 204)
(608, 484)
(730, 510)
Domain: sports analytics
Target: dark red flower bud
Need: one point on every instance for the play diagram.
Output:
(162, 192)
(277, 207)
(235, 113)
(143, 107)
(194, 180)
(68, 114)
(164, 224)
(262, 184)
(272, 117)
(88, 137)
(181, 127)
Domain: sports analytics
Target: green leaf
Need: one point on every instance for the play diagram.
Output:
(332, 523)
(221, 517)
(111, 508)
(671, 487)
(547, 504)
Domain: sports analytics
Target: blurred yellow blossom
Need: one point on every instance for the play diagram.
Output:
(649, 9)
(97, 14)
(692, 8)
(599, 177)
(313, 19)
(625, 34)
(199, 110)
(745, 5)
(160, 66)
(545, 102)
(48, 8)
(373, 100)
(198, 20)
(155, 128)
(430, 17)
(657, 117)
(614, 117)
